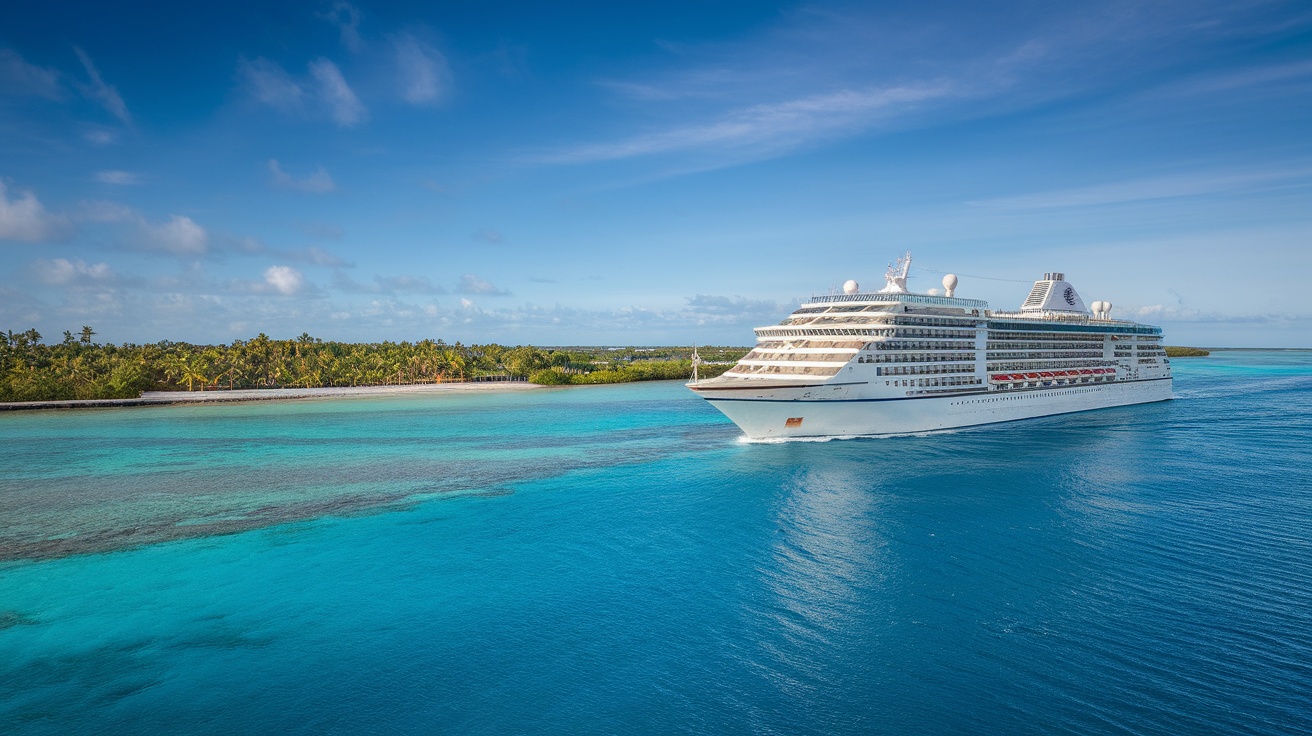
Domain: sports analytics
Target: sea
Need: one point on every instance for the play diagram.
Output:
(618, 560)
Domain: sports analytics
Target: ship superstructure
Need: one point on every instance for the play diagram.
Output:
(890, 362)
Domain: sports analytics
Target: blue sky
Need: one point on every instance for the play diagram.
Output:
(674, 173)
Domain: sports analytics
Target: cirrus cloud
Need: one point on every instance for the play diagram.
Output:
(324, 92)
(424, 75)
(473, 284)
(317, 182)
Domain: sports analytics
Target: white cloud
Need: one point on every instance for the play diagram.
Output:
(120, 178)
(318, 182)
(342, 103)
(17, 77)
(769, 126)
(347, 19)
(284, 279)
(61, 271)
(102, 211)
(1138, 190)
(472, 284)
(24, 219)
(424, 73)
(387, 285)
(100, 136)
(103, 93)
(318, 257)
(180, 235)
(270, 84)
(323, 92)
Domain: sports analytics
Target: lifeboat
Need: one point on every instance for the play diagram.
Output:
(1046, 375)
(1086, 372)
(1031, 375)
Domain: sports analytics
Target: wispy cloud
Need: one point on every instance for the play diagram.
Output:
(321, 230)
(65, 272)
(19, 78)
(422, 70)
(318, 182)
(1138, 190)
(344, 106)
(1274, 74)
(271, 85)
(347, 19)
(180, 235)
(316, 256)
(323, 92)
(104, 211)
(472, 284)
(23, 218)
(101, 92)
(774, 126)
(119, 178)
(387, 285)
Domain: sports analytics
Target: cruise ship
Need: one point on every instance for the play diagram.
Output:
(859, 363)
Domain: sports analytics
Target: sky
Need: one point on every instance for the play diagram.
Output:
(662, 173)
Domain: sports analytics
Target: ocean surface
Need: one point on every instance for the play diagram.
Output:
(613, 559)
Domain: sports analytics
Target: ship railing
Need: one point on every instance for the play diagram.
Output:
(939, 301)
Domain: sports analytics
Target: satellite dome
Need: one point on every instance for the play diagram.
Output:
(950, 283)
(851, 286)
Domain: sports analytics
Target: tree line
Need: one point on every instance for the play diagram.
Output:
(80, 368)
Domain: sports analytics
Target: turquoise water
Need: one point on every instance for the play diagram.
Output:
(612, 559)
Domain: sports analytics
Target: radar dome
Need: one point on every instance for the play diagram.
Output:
(1107, 309)
(950, 283)
(850, 286)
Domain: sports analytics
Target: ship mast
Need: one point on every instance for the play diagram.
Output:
(896, 277)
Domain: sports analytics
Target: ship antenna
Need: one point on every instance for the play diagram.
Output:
(696, 361)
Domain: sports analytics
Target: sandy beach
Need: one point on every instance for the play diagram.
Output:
(157, 398)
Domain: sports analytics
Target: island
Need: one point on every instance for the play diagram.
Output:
(78, 368)
(1174, 351)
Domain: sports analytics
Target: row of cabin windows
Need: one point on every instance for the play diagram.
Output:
(917, 345)
(791, 344)
(921, 370)
(1046, 365)
(783, 370)
(1043, 337)
(914, 357)
(1019, 355)
(803, 357)
(931, 382)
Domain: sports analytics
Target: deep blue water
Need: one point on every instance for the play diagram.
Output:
(613, 560)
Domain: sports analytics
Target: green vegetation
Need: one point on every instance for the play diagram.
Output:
(78, 368)
(1173, 351)
(653, 370)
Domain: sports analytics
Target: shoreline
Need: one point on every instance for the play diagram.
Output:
(166, 398)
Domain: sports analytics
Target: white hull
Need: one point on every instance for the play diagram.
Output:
(787, 417)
